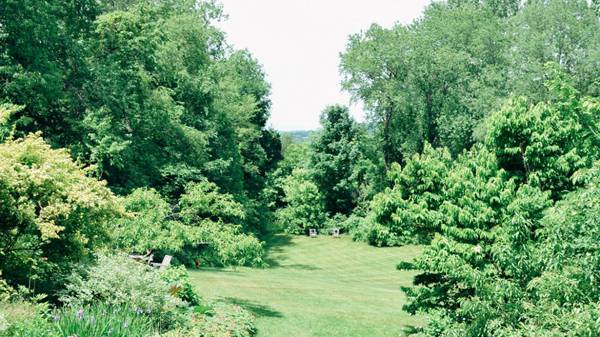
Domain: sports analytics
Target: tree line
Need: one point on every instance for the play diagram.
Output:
(148, 97)
(481, 144)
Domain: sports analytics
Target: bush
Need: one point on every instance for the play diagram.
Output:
(199, 231)
(119, 281)
(213, 228)
(148, 225)
(52, 214)
(25, 319)
(227, 320)
(179, 283)
(409, 211)
(338, 220)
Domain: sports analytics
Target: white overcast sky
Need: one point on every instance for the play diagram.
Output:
(299, 41)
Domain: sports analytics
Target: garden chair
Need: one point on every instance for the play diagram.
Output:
(164, 264)
(312, 232)
(335, 232)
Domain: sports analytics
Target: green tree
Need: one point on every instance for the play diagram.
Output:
(546, 143)
(334, 154)
(408, 212)
(305, 206)
(52, 215)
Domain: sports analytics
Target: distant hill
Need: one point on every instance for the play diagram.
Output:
(300, 136)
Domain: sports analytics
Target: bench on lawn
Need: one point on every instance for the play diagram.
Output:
(312, 232)
(164, 264)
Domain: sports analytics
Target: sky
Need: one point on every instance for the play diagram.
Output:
(298, 43)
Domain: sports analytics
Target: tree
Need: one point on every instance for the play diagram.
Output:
(419, 94)
(408, 212)
(334, 154)
(52, 215)
(545, 144)
(304, 207)
(487, 271)
(437, 79)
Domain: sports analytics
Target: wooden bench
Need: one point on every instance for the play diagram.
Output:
(164, 264)
(312, 232)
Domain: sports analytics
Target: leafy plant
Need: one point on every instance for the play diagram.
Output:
(305, 208)
(52, 214)
(100, 320)
(226, 320)
(119, 281)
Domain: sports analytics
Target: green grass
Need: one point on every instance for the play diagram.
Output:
(322, 287)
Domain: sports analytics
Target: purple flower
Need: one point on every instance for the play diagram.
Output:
(79, 315)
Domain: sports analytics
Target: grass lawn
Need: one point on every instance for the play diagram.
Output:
(321, 287)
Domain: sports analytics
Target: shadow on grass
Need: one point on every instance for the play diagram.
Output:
(410, 330)
(218, 270)
(258, 309)
(301, 266)
(275, 243)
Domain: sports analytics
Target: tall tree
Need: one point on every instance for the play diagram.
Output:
(334, 155)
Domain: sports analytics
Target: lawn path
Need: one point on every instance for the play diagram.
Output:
(319, 287)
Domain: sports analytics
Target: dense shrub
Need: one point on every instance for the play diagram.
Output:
(148, 224)
(227, 320)
(24, 319)
(545, 143)
(179, 285)
(120, 281)
(52, 214)
(304, 204)
(409, 211)
(205, 226)
(505, 262)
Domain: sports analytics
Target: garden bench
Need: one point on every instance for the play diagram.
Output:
(312, 233)
(164, 264)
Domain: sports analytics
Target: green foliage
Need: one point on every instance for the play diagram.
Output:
(179, 282)
(506, 261)
(101, 77)
(7, 111)
(119, 281)
(304, 204)
(437, 79)
(546, 143)
(205, 226)
(148, 227)
(101, 320)
(203, 201)
(226, 320)
(25, 319)
(409, 211)
(214, 219)
(51, 213)
(294, 156)
(335, 153)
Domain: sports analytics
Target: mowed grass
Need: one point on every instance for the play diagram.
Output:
(322, 287)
